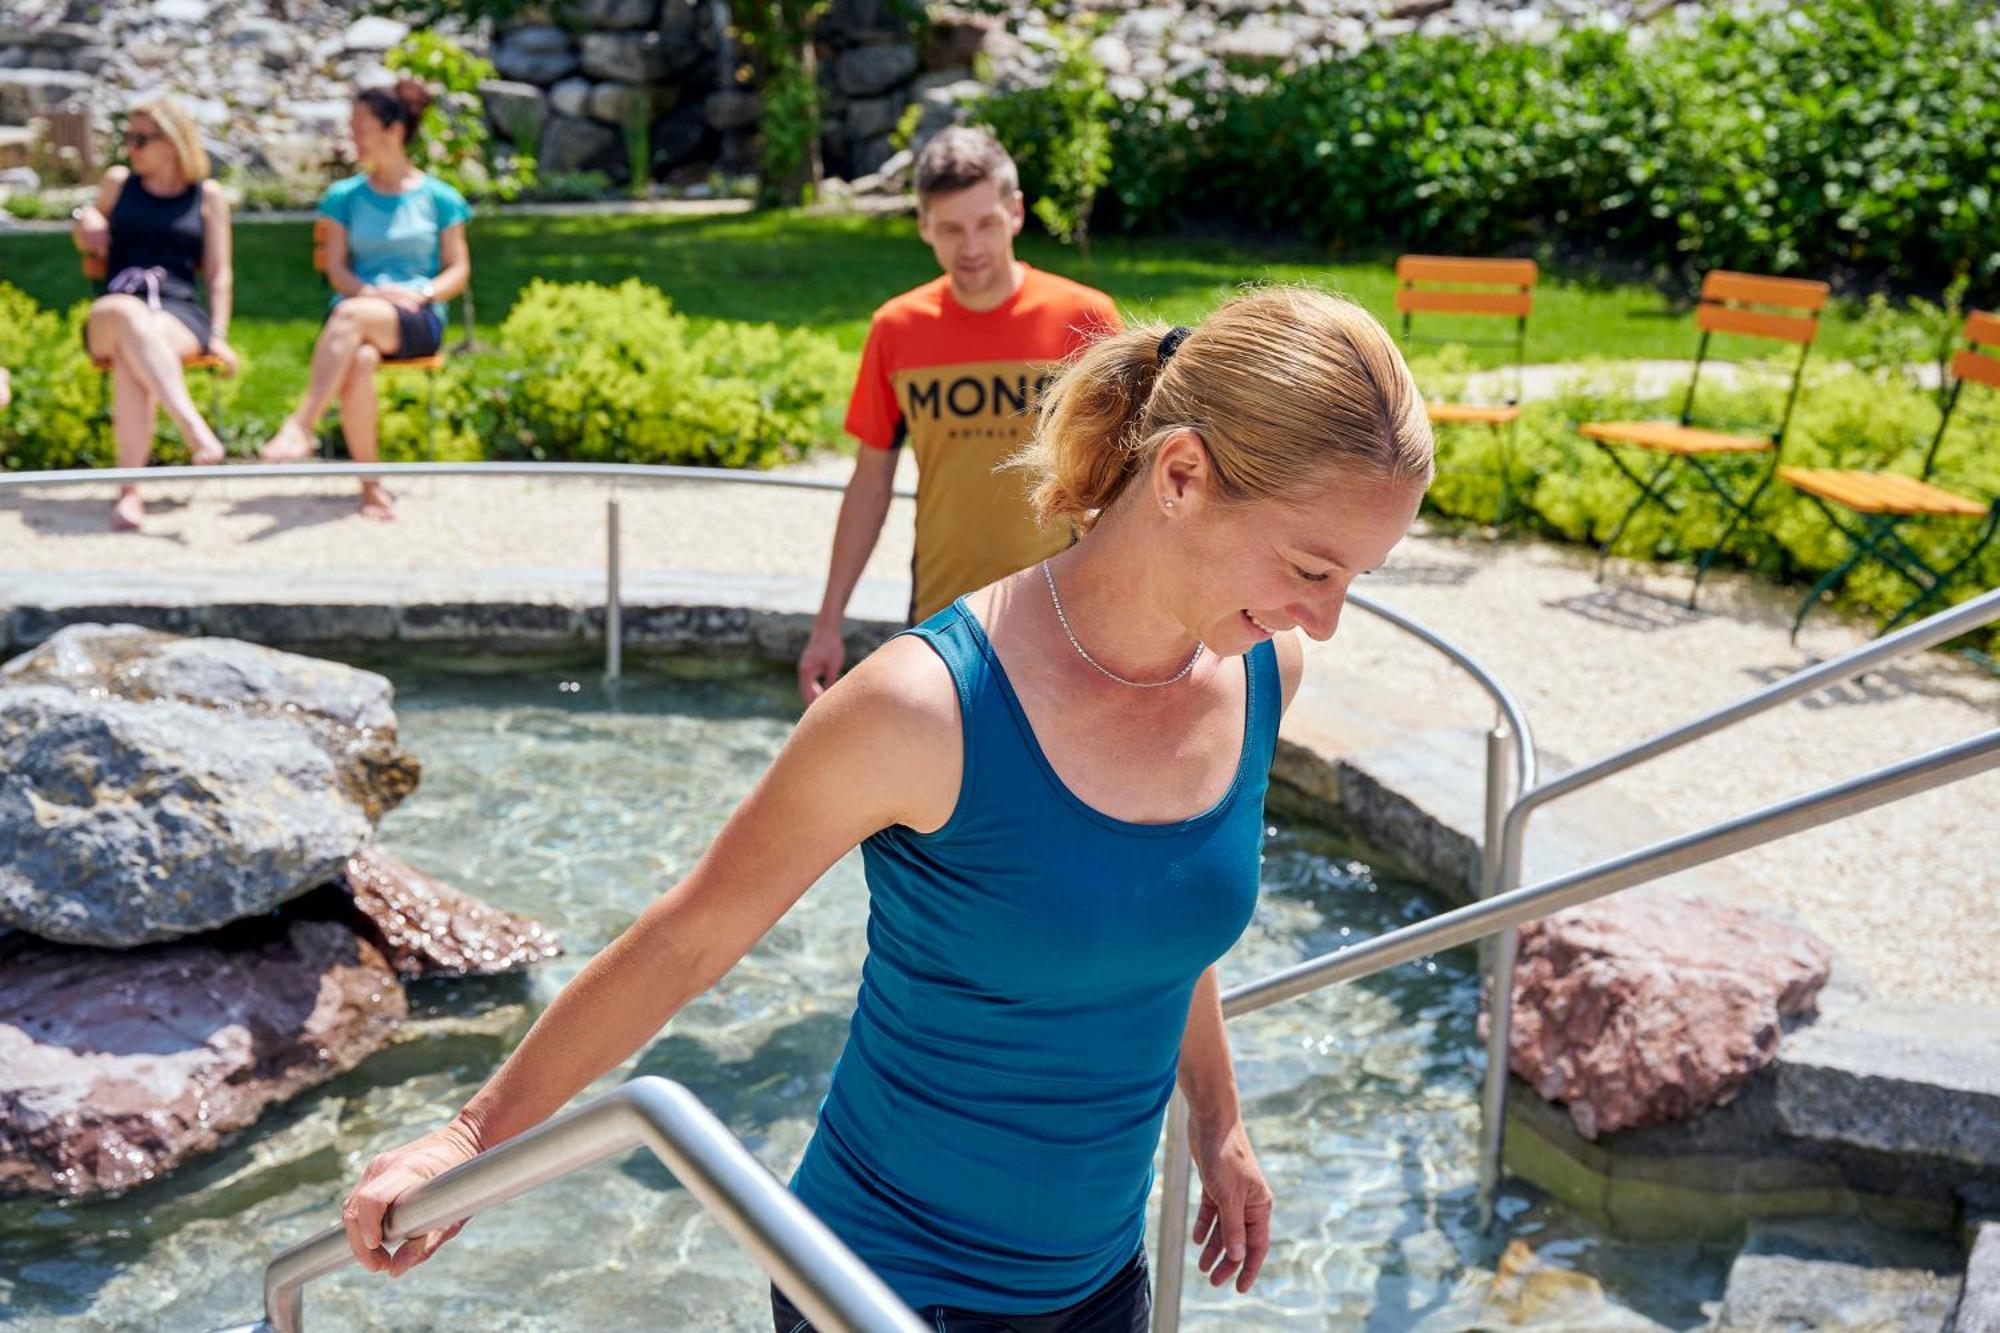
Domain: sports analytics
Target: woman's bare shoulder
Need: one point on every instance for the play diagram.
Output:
(891, 725)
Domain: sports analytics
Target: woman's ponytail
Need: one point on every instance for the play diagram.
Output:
(1087, 443)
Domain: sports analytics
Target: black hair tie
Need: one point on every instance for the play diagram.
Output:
(1172, 343)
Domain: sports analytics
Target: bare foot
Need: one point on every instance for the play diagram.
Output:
(376, 502)
(290, 444)
(129, 513)
(209, 454)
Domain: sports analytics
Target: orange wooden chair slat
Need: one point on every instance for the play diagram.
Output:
(1671, 437)
(1756, 289)
(1473, 413)
(1881, 492)
(1971, 365)
(1454, 268)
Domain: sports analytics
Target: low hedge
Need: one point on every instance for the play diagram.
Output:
(1825, 137)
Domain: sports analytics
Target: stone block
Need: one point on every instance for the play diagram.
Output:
(870, 116)
(617, 13)
(682, 135)
(31, 624)
(867, 71)
(1979, 1302)
(373, 33)
(540, 54)
(27, 93)
(953, 43)
(517, 111)
(1258, 42)
(734, 109)
(292, 623)
(1798, 1276)
(1897, 1079)
(682, 627)
(573, 144)
(868, 157)
(485, 622)
(570, 97)
(629, 103)
(628, 57)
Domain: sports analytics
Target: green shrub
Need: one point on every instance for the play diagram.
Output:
(55, 420)
(1060, 137)
(456, 146)
(1827, 135)
(613, 374)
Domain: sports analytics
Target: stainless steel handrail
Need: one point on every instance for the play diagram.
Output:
(1512, 909)
(808, 1262)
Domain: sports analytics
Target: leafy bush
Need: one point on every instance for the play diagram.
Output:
(1827, 135)
(1060, 137)
(55, 418)
(613, 374)
(456, 146)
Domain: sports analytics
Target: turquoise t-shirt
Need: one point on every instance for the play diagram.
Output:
(392, 239)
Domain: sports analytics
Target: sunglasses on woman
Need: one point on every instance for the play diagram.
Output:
(137, 139)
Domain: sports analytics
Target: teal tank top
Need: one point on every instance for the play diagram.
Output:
(987, 1140)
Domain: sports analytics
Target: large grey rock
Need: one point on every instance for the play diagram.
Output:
(121, 1066)
(516, 110)
(1800, 1276)
(26, 93)
(127, 823)
(630, 57)
(1259, 42)
(161, 786)
(573, 144)
(681, 136)
(1979, 1302)
(1896, 1078)
(540, 54)
(616, 13)
(867, 71)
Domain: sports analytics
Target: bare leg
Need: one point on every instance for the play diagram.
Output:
(356, 322)
(151, 344)
(132, 413)
(359, 415)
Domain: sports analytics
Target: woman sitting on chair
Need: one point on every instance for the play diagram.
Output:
(395, 253)
(158, 224)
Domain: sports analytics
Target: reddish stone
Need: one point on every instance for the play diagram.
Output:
(1640, 1011)
(122, 1064)
(426, 928)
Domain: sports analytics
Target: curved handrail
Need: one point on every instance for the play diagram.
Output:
(655, 472)
(809, 1263)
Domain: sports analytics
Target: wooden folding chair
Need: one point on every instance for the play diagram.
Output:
(429, 365)
(1779, 309)
(1466, 287)
(93, 267)
(1885, 501)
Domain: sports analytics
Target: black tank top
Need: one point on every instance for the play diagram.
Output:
(152, 232)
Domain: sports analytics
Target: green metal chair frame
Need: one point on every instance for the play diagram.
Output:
(1780, 309)
(1516, 278)
(1885, 501)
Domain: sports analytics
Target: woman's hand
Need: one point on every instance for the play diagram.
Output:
(1233, 1224)
(389, 1177)
(400, 297)
(93, 232)
(219, 348)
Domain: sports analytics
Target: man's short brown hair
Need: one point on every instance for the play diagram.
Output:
(960, 158)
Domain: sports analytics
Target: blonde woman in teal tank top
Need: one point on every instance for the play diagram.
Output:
(1057, 784)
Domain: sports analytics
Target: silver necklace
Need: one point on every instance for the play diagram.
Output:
(1135, 684)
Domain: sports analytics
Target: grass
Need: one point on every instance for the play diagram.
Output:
(829, 273)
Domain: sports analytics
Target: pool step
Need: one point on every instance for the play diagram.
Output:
(1818, 1276)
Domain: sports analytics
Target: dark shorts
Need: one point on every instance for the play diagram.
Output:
(1122, 1305)
(188, 312)
(418, 332)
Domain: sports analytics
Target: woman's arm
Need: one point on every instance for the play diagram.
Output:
(1233, 1224)
(339, 276)
(218, 263)
(91, 227)
(884, 748)
(456, 257)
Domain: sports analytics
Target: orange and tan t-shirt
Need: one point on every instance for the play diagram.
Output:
(960, 387)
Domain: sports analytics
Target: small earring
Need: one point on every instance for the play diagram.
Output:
(1170, 504)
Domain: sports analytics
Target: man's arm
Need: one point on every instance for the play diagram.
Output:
(863, 509)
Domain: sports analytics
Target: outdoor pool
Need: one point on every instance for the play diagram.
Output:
(548, 794)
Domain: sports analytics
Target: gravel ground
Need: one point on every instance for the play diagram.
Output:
(1906, 892)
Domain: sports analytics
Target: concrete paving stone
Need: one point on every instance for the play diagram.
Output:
(1979, 1302)
(1908, 1079)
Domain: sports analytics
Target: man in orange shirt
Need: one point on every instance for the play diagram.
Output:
(953, 369)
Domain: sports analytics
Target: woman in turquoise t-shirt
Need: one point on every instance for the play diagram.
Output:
(395, 253)
(1057, 784)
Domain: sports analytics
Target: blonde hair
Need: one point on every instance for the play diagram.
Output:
(177, 127)
(1284, 385)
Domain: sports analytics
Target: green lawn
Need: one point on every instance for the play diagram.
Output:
(829, 273)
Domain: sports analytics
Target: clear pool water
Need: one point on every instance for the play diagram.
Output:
(548, 795)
